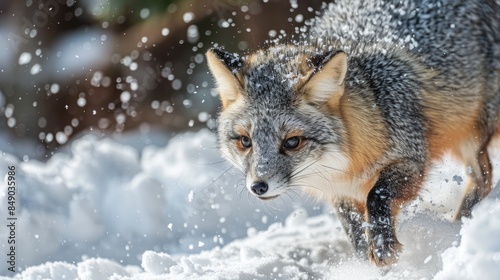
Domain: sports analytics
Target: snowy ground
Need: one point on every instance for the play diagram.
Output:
(127, 209)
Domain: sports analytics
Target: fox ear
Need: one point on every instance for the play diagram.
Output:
(326, 83)
(224, 67)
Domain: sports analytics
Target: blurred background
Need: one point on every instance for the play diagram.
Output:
(108, 66)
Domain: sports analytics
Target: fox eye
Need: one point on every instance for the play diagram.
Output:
(246, 142)
(292, 143)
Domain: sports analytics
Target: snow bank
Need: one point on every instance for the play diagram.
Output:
(107, 210)
(478, 256)
(103, 199)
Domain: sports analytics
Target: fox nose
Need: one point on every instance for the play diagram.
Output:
(259, 188)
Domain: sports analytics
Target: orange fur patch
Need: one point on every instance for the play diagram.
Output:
(449, 125)
(366, 133)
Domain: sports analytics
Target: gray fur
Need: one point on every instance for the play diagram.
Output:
(269, 111)
(460, 39)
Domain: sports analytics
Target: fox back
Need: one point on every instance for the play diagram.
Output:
(357, 109)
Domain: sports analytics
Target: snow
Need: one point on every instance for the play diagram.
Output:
(76, 52)
(478, 256)
(118, 209)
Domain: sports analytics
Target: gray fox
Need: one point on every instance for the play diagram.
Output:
(356, 109)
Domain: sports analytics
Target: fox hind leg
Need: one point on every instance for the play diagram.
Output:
(479, 182)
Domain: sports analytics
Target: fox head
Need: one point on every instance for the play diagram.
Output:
(280, 120)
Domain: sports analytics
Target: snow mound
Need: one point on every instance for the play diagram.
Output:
(103, 199)
(478, 256)
(316, 248)
(106, 210)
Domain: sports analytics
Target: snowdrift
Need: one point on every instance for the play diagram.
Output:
(109, 210)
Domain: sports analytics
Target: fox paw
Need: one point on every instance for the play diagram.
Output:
(384, 253)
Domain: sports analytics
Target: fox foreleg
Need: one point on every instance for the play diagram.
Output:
(397, 184)
(351, 216)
